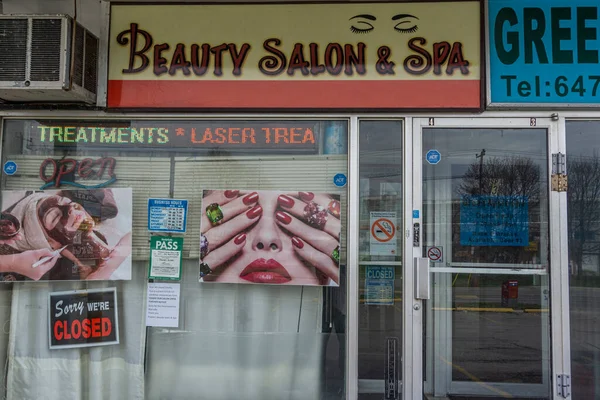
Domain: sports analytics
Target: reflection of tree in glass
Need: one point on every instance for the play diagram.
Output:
(507, 176)
(583, 197)
(501, 176)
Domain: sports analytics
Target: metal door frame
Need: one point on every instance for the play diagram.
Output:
(353, 253)
(559, 289)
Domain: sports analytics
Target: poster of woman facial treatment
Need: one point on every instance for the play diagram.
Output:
(66, 235)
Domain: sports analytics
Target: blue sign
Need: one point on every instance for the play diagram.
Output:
(10, 168)
(544, 51)
(379, 285)
(167, 215)
(340, 180)
(433, 157)
(415, 213)
(336, 138)
(494, 220)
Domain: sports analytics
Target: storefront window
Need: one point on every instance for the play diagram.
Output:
(380, 252)
(583, 218)
(269, 331)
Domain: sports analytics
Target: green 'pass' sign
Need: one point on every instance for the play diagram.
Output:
(165, 257)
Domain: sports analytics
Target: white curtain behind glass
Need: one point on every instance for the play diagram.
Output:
(254, 342)
(106, 372)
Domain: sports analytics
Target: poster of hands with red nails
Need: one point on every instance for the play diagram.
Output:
(270, 237)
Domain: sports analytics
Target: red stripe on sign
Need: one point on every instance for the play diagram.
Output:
(294, 94)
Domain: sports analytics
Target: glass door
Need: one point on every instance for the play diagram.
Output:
(380, 271)
(485, 256)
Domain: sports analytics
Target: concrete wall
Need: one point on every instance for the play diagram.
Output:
(88, 11)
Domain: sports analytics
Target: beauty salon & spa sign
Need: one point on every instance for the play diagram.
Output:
(296, 56)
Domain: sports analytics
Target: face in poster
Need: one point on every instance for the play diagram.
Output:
(270, 237)
(64, 235)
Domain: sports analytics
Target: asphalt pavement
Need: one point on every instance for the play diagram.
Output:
(494, 341)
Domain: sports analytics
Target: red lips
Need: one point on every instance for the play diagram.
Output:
(265, 271)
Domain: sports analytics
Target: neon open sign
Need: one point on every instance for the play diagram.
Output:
(71, 172)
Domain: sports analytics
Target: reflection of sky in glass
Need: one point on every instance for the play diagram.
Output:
(459, 147)
(583, 138)
(380, 157)
(463, 144)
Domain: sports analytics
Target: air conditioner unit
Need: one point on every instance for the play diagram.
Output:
(35, 60)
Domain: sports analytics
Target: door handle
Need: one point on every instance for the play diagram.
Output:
(422, 278)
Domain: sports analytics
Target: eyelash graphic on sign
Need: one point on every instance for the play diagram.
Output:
(405, 21)
(363, 26)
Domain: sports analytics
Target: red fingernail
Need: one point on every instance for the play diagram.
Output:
(286, 201)
(283, 217)
(306, 196)
(250, 198)
(239, 239)
(254, 212)
(231, 193)
(297, 242)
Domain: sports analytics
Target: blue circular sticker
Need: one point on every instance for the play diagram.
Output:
(340, 180)
(10, 168)
(433, 157)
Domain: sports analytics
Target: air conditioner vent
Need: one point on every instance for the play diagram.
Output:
(78, 63)
(35, 59)
(13, 49)
(45, 50)
(91, 63)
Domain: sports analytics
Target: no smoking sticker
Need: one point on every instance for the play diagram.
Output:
(435, 254)
(383, 233)
(383, 230)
